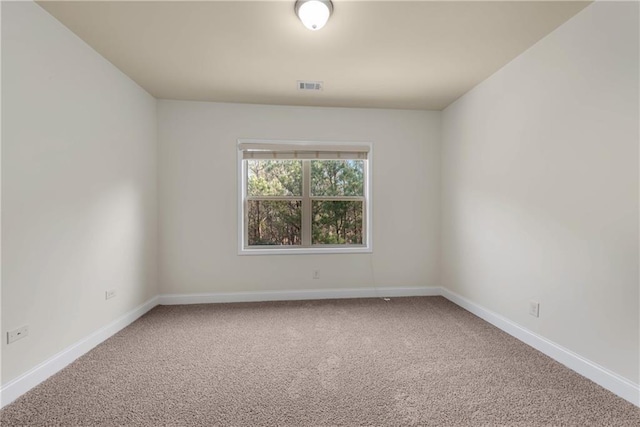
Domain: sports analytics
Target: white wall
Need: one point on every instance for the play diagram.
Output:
(198, 194)
(78, 188)
(540, 188)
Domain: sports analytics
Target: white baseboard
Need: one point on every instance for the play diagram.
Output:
(25, 382)
(596, 373)
(293, 295)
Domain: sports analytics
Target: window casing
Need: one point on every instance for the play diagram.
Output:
(304, 197)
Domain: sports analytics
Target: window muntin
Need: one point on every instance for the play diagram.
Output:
(302, 199)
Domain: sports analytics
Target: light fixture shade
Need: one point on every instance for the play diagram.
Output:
(314, 14)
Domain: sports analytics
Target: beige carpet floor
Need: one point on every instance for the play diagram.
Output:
(409, 361)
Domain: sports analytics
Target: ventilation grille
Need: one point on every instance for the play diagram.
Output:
(310, 86)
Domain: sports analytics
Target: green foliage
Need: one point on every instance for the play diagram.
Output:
(274, 177)
(337, 178)
(337, 222)
(275, 222)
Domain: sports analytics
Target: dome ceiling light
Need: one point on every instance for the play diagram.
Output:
(314, 14)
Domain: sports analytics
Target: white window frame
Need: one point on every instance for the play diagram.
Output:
(244, 249)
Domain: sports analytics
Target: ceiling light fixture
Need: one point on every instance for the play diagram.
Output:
(314, 14)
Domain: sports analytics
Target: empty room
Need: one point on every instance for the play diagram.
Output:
(320, 213)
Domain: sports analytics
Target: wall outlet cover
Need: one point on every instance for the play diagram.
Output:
(16, 334)
(534, 308)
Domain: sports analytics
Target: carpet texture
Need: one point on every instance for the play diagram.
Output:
(409, 361)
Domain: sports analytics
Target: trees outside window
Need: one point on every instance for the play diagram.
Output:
(304, 202)
(337, 199)
(274, 202)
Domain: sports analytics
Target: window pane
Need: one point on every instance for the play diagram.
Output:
(275, 222)
(274, 177)
(337, 223)
(337, 177)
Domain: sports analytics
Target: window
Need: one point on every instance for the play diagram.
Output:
(299, 197)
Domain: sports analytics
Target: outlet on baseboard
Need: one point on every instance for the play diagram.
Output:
(534, 308)
(16, 334)
(110, 294)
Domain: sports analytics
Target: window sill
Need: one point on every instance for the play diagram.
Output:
(306, 251)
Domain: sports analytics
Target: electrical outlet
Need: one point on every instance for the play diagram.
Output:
(16, 334)
(316, 274)
(534, 308)
(110, 294)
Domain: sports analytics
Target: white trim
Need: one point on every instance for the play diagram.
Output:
(591, 370)
(596, 373)
(295, 295)
(25, 382)
(307, 251)
(241, 194)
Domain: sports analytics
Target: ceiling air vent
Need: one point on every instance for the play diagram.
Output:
(310, 86)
